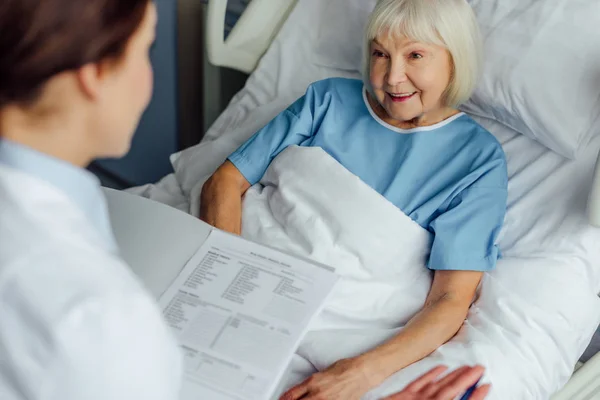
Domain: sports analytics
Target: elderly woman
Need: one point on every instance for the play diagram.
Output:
(401, 133)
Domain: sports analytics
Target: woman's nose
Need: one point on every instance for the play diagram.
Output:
(396, 73)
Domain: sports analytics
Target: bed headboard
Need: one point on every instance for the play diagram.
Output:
(250, 37)
(594, 201)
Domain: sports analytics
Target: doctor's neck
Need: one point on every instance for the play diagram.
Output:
(56, 124)
(52, 133)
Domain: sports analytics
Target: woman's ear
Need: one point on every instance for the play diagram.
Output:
(90, 78)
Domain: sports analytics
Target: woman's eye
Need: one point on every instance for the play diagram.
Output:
(416, 56)
(378, 53)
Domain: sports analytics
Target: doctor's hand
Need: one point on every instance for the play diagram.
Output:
(449, 387)
(345, 380)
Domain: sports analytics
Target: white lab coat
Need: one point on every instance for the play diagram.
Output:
(75, 323)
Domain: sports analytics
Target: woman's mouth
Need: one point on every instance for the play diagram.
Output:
(401, 97)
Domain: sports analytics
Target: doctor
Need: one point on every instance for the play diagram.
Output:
(75, 324)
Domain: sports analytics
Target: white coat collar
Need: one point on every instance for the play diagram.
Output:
(81, 186)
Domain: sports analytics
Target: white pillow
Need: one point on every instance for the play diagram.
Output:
(340, 33)
(542, 64)
(542, 69)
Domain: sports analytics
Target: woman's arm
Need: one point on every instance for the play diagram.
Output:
(221, 198)
(445, 310)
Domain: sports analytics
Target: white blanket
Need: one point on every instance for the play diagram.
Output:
(311, 206)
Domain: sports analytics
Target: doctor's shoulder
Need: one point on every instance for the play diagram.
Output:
(78, 313)
(54, 281)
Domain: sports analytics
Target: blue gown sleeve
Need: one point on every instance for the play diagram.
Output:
(293, 126)
(465, 234)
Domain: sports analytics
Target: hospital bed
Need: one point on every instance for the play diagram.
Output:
(273, 41)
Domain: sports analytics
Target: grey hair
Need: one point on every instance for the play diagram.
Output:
(447, 23)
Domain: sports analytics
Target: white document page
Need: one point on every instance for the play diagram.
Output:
(239, 311)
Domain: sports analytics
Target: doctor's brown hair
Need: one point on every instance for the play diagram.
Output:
(42, 38)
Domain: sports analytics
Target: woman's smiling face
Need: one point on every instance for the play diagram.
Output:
(409, 78)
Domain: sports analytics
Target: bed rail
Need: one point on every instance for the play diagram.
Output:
(584, 384)
(250, 37)
(594, 201)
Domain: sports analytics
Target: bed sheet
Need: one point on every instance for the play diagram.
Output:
(546, 215)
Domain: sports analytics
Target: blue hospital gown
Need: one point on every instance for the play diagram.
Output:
(450, 178)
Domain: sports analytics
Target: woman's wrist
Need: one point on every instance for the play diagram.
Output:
(220, 204)
(375, 367)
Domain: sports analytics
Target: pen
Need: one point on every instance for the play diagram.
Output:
(470, 391)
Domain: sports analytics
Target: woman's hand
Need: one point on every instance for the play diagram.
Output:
(454, 384)
(345, 380)
(221, 199)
